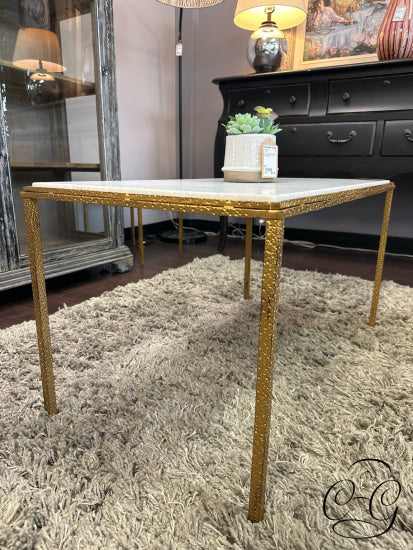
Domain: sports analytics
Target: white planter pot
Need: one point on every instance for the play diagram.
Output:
(243, 160)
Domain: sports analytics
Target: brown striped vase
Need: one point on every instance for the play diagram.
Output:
(395, 39)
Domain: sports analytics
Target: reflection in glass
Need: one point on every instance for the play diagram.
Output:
(47, 79)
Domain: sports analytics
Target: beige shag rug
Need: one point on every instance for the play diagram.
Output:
(156, 388)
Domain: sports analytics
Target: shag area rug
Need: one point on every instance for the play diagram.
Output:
(151, 448)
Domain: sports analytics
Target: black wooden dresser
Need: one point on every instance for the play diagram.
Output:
(349, 121)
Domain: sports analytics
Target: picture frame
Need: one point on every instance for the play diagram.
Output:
(35, 13)
(338, 32)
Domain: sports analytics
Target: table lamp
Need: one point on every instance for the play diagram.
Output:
(267, 44)
(38, 50)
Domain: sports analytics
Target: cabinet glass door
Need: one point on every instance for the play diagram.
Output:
(47, 79)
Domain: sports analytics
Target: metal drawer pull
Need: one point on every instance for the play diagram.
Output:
(241, 103)
(386, 83)
(292, 99)
(293, 130)
(352, 134)
(346, 96)
(408, 134)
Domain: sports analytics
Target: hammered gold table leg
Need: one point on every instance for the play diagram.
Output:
(140, 237)
(31, 210)
(380, 257)
(266, 351)
(247, 270)
(181, 232)
(132, 225)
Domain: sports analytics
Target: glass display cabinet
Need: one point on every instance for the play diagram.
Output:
(58, 121)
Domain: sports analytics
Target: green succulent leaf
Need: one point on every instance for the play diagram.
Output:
(268, 127)
(245, 123)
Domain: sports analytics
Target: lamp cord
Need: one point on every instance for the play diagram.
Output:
(181, 10)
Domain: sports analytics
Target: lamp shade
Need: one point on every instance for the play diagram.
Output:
(38, 49)
(249, 14)
(191, 3)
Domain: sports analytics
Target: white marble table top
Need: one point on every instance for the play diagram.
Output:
(282, 189)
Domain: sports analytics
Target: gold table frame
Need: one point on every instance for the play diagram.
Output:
(275, 215)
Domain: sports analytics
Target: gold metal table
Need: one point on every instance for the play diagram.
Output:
(273, 202)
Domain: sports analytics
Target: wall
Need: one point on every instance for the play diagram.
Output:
(213, 47)
(145, 37)
(145, 72)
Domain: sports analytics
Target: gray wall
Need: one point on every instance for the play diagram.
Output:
(145, 72)
(213, 47)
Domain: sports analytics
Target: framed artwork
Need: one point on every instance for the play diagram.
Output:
(35, 13)
(339, 32)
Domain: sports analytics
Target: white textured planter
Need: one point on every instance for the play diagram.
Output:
(243, 157)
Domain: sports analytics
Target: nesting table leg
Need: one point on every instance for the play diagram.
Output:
(266, 352)
(140, 237)
(247, 269)
(31, 210)
(132, 225)
(181, 232)
(380, 257)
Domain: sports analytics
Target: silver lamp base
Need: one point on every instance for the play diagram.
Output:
(266, 54)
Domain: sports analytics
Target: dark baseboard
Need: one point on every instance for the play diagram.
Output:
(399, 245)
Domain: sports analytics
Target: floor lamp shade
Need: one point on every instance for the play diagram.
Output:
(191, 3)
(38, 49)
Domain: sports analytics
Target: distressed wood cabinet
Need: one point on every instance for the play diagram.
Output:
(58, 121)
(353, 121)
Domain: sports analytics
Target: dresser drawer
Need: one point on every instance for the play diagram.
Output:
(337, 139)
(287, 100)
(398, 138)
(388, 93)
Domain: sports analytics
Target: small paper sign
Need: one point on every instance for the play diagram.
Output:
(269, 155)
(399, 13)
(178, 49)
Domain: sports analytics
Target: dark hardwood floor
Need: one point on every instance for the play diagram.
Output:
(16, 304)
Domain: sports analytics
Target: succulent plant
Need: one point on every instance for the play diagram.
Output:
(245, 123)
(268, 127)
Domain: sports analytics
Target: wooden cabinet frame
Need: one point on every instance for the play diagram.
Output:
(14, 268)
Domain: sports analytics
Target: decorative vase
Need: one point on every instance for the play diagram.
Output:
(243, 157)
(395, 39)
